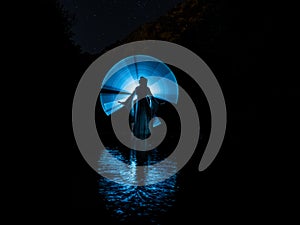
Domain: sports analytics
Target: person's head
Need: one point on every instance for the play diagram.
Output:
(143, 81)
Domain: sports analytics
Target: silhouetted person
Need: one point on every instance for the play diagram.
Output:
(143, 109)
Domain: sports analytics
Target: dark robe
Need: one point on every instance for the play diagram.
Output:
(143, 110)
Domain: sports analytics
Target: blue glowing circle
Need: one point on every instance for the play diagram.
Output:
(122, 79)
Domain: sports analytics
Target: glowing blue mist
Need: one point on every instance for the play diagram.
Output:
(122, 79)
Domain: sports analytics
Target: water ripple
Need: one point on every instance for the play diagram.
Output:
(136, 204)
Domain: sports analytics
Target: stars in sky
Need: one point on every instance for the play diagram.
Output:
(100, 23)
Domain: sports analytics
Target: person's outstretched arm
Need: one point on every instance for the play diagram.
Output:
(128, 100)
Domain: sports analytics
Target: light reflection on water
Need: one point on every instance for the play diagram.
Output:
(129, 203)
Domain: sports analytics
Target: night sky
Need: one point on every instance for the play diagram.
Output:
(100, 23)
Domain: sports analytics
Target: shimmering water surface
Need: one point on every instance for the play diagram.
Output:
(128, 203)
